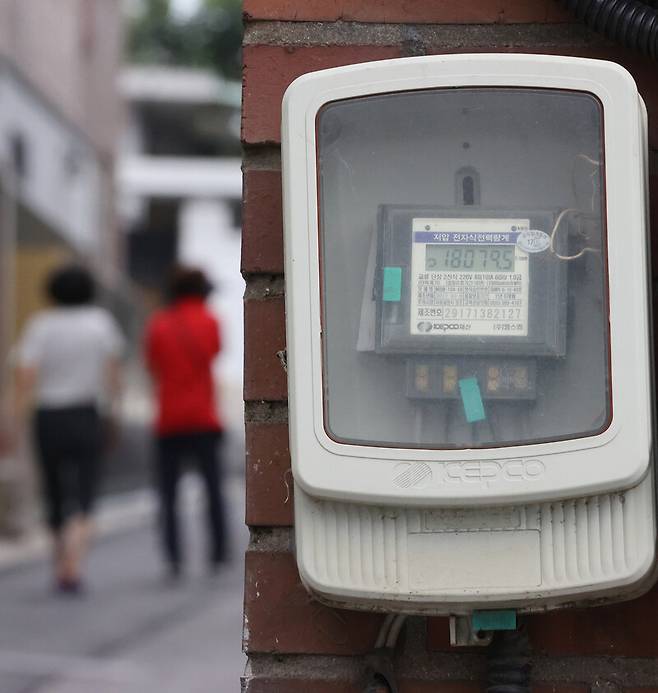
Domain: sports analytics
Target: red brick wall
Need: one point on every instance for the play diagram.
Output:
(294, 643)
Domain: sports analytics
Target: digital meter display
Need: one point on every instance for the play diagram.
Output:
(474, 258)
(468, 277)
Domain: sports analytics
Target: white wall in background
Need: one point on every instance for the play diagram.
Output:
(62, 180)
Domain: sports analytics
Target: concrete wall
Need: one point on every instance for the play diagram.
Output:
(62, 170)
(294, 643)
(70, 50)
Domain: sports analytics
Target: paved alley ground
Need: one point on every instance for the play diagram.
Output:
(133, 632)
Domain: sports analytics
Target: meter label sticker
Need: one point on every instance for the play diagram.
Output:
(472, 400)
(534, 241)
(469, 277)
(465, 238)
(392, 284)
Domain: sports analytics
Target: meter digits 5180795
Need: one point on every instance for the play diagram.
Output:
(468, 334)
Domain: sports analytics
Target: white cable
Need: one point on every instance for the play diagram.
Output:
(553, 236)
(589, 159)
(394, 632)
(384, 631)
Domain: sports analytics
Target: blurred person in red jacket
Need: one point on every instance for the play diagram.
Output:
(182, 341)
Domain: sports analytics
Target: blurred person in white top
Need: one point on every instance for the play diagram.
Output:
(68, 369)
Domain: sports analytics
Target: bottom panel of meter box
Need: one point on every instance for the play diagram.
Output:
(455, 560)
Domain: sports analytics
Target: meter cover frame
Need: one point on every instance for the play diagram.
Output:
(617, 458)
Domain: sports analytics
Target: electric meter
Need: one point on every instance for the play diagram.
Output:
(468, 333)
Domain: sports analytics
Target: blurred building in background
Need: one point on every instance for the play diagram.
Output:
(59, 125)
(60, 120)
(130, 168)
(119, 147)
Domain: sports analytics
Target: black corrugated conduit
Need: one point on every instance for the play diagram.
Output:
(508, 662)
(632, 23)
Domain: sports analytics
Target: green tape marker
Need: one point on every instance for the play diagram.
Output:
(494, 620)
(472, 400)
(392, 289)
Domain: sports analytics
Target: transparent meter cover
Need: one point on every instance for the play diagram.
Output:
(463, 264)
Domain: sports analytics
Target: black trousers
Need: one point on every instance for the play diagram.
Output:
(69, 444)
(202, 450)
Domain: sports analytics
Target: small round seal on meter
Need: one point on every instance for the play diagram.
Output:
(533, 241)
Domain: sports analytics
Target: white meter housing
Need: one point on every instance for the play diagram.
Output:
(468, 333)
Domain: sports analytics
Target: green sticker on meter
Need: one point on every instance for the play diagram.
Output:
(472, 400)
(392, 285)
(494, 620)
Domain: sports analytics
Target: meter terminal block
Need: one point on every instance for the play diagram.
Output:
(498, 378)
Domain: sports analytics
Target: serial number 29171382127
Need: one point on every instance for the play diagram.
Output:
(470, 313)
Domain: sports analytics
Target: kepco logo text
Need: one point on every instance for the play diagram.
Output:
(491, 471)
(478, 472)
(445, 326)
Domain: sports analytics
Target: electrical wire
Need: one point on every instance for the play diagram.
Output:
(390, 631)
(380, 672)
(574, 210)
(394, 632)
(554, 234)
(592, 176)
(384, 630)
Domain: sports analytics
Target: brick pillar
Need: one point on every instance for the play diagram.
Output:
(294, 643)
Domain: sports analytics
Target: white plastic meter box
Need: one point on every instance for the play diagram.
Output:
(468, 333)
